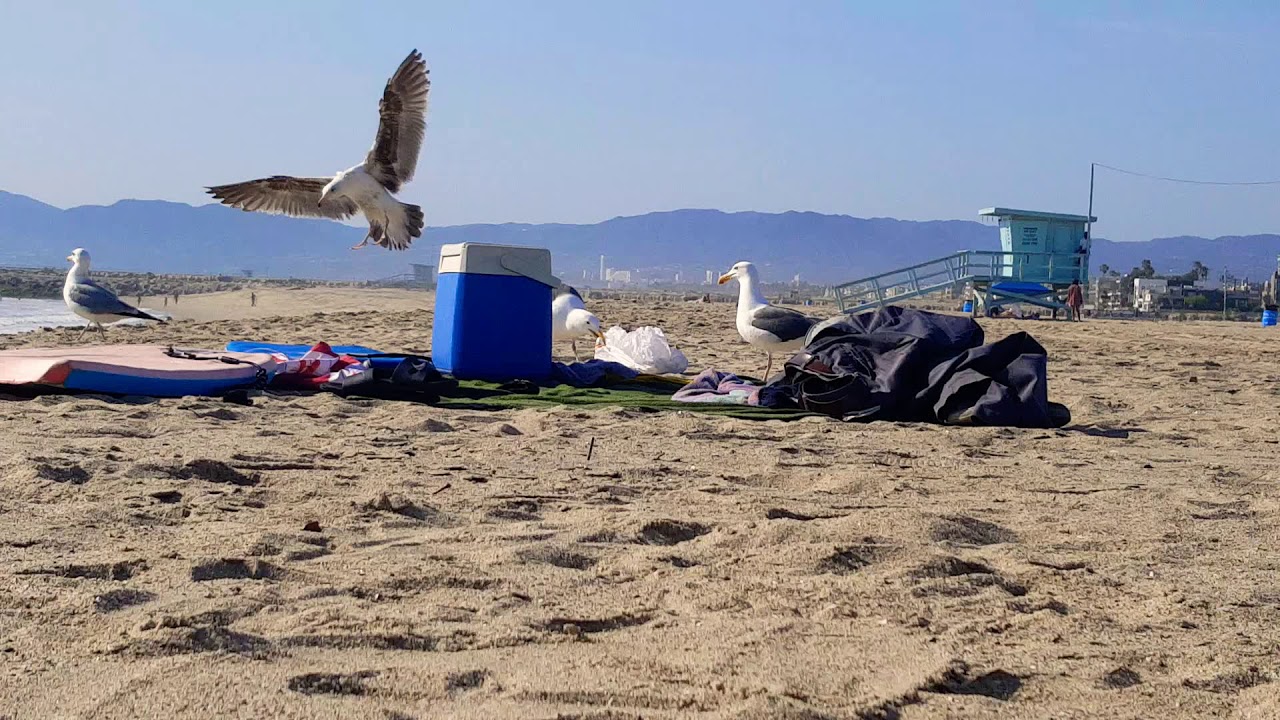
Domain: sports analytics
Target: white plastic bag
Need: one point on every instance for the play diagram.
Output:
(644, 350)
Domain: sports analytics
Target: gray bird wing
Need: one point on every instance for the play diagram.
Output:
(401, 124)
(97, 299)
(784, 323)
(284, 195)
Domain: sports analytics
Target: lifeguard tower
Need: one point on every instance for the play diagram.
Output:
(1040, 254)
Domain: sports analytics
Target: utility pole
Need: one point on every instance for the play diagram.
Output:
(1224, 293)
(1088, 225)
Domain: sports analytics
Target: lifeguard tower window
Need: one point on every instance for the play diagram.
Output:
(1041, 247)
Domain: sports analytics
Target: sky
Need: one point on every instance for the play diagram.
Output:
(579, 110)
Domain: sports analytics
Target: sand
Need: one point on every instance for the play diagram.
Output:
(314, 557)
(275, 302)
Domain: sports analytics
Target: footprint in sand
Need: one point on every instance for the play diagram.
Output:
(117, 571)
(332, 683)
(949, 576)
(670, 532)
(114, 600)
(236, 569)
(965, 530)
(558, 557)
(852, 558)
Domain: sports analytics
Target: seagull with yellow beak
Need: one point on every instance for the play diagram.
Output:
(768, 327)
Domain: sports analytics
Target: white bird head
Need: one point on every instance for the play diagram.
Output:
(585, 323)
(80, 258)
(739, 271)
(336, 187)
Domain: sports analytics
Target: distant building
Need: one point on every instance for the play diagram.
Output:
(711, 278)
(1147, 293)
(1107, 293)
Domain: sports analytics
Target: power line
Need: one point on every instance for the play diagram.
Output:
(1180, 180)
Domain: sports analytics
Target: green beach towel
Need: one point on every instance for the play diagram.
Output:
(646, 392)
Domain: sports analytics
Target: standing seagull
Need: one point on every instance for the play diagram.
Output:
(770, 328)
(365, 188)
(570, 319)
(93, 302)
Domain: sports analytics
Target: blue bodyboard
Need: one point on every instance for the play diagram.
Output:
(293, 352)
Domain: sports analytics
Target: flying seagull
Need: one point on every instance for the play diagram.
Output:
(570, 319)
(365, 188)
(93, 302)
(768, 327)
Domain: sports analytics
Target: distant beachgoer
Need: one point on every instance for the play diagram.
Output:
(139, 299)
(1075, 300)
(166, 301)
(253, 299)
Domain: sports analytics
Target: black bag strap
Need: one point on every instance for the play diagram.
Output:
(260, 373)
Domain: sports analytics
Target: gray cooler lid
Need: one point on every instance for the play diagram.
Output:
(509, 260)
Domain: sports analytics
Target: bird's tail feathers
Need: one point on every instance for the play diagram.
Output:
(148, 316)
(404, 224)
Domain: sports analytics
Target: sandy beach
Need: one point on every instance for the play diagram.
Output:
(319, 557)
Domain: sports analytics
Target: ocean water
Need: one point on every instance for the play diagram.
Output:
(23, 315)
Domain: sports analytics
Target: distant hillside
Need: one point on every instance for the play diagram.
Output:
(166, 237)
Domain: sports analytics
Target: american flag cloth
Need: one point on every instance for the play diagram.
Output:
(320, 369)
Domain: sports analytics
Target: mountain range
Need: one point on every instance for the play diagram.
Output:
(167, 237)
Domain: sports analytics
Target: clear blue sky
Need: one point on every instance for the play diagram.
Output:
(552, 110)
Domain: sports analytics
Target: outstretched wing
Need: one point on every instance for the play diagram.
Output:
(401, 123)
(284, 195)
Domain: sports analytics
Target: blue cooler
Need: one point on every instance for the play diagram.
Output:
(493, 312)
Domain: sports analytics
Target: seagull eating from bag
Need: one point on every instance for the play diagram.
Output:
(570, 318)
(93, 302)
(768, 327)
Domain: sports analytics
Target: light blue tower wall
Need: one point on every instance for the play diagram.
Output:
(1051, 248)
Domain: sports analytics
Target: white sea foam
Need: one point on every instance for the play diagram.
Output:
(25, 315)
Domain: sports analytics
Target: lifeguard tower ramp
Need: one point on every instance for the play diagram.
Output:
(1040, 254)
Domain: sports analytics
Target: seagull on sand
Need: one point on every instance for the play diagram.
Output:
(768, 327)
(570, 319)
(93, 302)
(365, 188)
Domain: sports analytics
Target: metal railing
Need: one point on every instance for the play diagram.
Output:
(964, 266)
